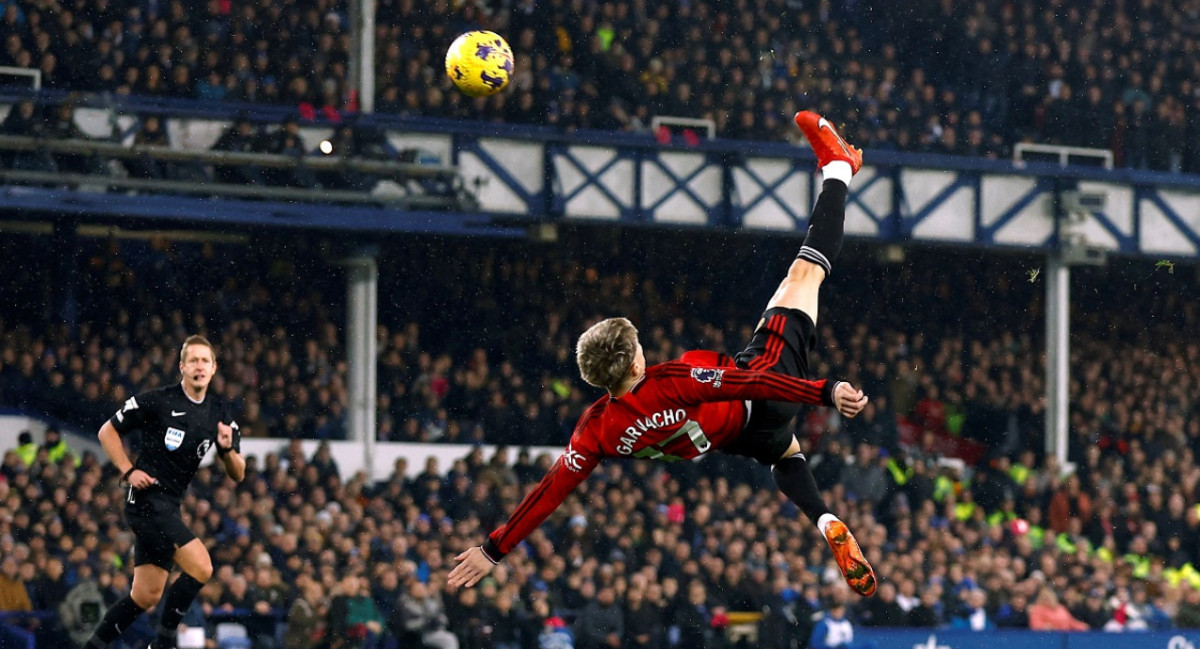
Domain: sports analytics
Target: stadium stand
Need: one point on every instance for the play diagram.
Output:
(658, 537)
(685, 555)
(968, 78)
(981, 77)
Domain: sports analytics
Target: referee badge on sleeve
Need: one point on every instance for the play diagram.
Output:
(173, 438)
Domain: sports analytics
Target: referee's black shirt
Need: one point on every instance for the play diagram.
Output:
(176, 434)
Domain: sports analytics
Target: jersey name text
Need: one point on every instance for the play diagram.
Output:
(640, 426)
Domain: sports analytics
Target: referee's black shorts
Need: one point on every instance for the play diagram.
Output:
(158, 528)
(782, 344)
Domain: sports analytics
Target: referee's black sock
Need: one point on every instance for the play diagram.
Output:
(118, 618)
(826, 226)
(176, 602)
(796, 481)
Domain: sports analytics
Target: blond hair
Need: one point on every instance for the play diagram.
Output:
(196, 340)
(605, 352)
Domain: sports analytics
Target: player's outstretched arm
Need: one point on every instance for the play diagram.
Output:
(699, 384)
(576, 463)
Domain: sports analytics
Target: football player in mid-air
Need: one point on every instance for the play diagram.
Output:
(705, 400)
(179, 424)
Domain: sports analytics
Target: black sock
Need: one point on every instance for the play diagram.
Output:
(826, 226)
(178, 599)
(116, 621)
(795, 480)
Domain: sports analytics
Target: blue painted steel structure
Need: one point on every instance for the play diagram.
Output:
(536, 174)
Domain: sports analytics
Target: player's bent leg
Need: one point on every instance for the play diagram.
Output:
(794, 478)
(838, 162)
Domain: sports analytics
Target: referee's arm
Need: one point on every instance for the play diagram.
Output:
(110, 440)
(235, 464)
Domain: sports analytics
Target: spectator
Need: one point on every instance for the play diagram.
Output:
(833, 630)
(63, 127)
(57, 447)
(241, 137)
(928, 613)
(883, 610)
(601, 624)
(697, 618)
(306, 620)
(345, 143)
(49, 588)
(1188, 615)
(1047, 614)
(25, 119)
(1092, 611)
(555, 633)
(1069, 503)
(353, 616)
(13, 595)
(149, 133)
(288, 141)
(423, 613)
(641, 622)
(975, 616)
(26, 450)
(501, 623)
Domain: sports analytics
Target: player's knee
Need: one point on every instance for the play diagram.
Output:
(203, 572)
(803, 271)
(146, 597)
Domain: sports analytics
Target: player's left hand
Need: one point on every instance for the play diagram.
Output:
(848, 400)
(474, 566)
(224, 436)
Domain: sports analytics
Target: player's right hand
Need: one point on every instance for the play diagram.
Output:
(139, 479)
(475, 566)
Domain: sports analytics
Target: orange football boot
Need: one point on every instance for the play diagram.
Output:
(826, 142)
(850, 559)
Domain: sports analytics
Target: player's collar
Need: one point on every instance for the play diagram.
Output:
(631, 388)
(189, 397)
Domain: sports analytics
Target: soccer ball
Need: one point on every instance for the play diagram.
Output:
(480, 63)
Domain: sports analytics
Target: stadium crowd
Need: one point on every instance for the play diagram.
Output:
(968, 78)
(666, 550)
(659, 556)
(506, 375)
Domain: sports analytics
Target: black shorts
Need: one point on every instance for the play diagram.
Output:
(158, 528)
(782, 344)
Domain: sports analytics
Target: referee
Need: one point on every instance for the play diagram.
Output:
(179, 424)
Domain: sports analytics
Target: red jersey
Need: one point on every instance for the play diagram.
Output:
(679, 410)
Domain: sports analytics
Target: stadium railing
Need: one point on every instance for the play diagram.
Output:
(407, 176)
(538, 175)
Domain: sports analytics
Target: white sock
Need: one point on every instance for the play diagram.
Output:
(825, 520)
(838, 170)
